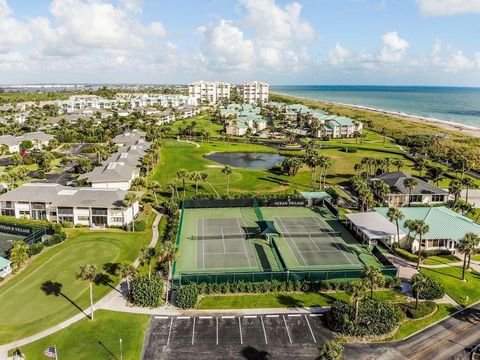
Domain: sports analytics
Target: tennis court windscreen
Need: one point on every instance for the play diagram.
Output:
(257, 210)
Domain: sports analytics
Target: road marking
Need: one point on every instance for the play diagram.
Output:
(264, 332)
(161, 317)
(169, 331)
(271, 316)
(294, 315)
(286, 327)
(228, 317)
(183, 317)
(217, 330)
(193, 331)
(311, 331)
(250, 316)
(315, 315)
(205, 317)
(240, 327)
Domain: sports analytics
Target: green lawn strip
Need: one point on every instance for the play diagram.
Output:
(97, 339)
(47, 292)
(283, 300)
(463, 292)
(409, 327)
(476, 257)
(441, 259)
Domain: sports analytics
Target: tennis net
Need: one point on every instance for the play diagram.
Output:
(242, 235)
(312, 234)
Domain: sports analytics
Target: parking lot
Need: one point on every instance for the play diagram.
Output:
(277, 336)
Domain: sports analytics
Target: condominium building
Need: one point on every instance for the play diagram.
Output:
(209, 92)
(255, 92)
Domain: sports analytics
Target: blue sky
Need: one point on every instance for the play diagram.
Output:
(398, 42)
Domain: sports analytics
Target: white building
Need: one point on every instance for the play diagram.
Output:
(209, 92)
(255, 92)
(58, 203)
(5, 267)
(38, 138)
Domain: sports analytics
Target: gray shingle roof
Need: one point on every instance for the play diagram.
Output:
(113, 171)
(395, 181)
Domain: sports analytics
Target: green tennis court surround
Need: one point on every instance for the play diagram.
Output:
(254, 243)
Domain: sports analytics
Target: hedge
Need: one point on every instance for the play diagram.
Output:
(424, 308)
(187, 297)
(375, 318)
(406, 255)
(147, 292)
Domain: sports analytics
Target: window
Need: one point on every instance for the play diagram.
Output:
(24, 212)
(438, 198)
(117, 219)
(83, 218)
(8, 212)
(416, 198)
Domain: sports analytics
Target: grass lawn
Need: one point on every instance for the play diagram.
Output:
(476, 257)
(176, 155)
(32, 301)
(283, 300)
(463, 292)
(97, 339)
(441, 259)
(203, 121)
(411, 326)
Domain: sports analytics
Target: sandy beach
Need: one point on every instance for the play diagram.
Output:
(447, 125)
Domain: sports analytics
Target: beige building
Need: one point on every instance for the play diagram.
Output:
(255, 92)
(209, 92)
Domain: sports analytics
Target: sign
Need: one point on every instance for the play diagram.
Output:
(287, 202)
(14, 229)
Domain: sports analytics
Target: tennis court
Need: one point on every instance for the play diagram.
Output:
(311, 242)
(224, 243)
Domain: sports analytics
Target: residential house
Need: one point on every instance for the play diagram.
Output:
(399, 195)
(38, 138)
(58, 203)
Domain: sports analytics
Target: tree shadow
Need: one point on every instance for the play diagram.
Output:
(55, 288)
(107, 350)
(110, 268)
(289, 301)
(250, 353)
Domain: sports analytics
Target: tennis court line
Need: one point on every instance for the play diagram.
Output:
(277, 219)
(308, 234)
(244, 246)
(223, 240)
(203, 242)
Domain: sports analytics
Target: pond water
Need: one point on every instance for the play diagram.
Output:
(250, 160)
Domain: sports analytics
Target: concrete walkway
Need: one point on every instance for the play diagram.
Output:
(113, 297)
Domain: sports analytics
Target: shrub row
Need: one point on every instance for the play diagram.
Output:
(147, 292)
(38, 247)
(33, 225)
(406, 254)
(187, 297)
(277, 286)
(424, 308)
(433, 290)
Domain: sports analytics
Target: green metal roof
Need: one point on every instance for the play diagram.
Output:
(443, 222)
(4, 262)
(342, 120)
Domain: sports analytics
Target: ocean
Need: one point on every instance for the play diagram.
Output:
(454, 104)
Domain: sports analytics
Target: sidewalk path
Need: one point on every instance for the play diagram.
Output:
(113, 297)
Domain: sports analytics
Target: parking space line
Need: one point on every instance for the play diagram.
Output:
(170, 331)
(271, 316)
(228, 317)
(240, 327)
(311, 331)
(217, 330)
(293, 315)
(286, 327)
(183, 317)
(205, 317)
(193, 331)
(264, 332)
(161, 317)
(250, 316)
(315, 315)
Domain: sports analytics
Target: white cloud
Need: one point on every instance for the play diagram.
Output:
(12, 31)
(457, 62)
(448, 7)
(225, 47)
(394, 47)
(339, 54)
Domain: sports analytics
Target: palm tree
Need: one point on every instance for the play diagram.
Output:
(421, 228)
(311, 159)
(420, 165)
(182, 174)
(18, 254)
(326, 163)
(146, 255)
(395, 215)
(130, 199)
(227, 170)
(435, 173)
(166, 253)
(468, 245)
(196, 177)
(126, 270)
(155, 188)
(467, 183)
(88, 272)
(172, 186)
(410, 225)
(455, 189)
(418, 284)
(398, 163)
(358, 168)
(410, 183)
(382, 189)
(373, 278)
(356, 290)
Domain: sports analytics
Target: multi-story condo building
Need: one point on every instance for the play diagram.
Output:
(209, 92)
(255, 92)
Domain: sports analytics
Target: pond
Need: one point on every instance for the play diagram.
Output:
(250, 160)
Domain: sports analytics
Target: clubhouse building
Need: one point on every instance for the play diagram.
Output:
(57, 203)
